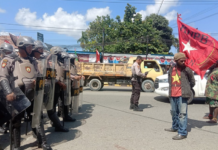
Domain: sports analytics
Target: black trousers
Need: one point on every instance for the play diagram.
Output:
(58, 94)
(136, 89)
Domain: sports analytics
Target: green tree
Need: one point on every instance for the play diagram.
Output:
(162, 25)
(129, 36)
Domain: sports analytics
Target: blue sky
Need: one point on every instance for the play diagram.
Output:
(75, 14)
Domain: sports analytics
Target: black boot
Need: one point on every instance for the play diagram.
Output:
(42, 139)
(56, 123)
(67, 118)
(16, 138)
(2, 130)
(136, 108)
(131, 106)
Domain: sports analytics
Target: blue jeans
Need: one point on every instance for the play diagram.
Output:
(179, 114)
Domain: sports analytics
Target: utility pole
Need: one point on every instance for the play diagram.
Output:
(147, 48)
(103, 38)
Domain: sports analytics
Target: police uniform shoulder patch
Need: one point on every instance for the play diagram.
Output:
(28, 69)
(5, 60)
(4, 64)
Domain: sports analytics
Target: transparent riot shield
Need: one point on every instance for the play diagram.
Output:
(50, 82)
(76, 92)
(75, 97)
(81, 93)
(39, 93)
(67, 82)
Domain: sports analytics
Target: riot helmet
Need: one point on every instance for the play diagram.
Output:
(46, 53)
(73, 57)
(39, 47)
(56, 50)
(6, 49)
(25, 43)
(62, 56)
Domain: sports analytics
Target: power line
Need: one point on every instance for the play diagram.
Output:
(134, 2)
(200, 12)
(40, 26)
(160, 7)
(201, 19)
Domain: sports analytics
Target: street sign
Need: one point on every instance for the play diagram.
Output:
(40, 37)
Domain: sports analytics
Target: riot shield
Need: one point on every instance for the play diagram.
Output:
(75, 97)
(76, 92)
(20, 103)
(67, 82)
(39, 93)
(81, 93)
(50, 82)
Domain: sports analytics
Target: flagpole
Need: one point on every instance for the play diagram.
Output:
(103, 46)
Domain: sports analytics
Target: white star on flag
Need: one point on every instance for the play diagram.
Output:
(188, 47)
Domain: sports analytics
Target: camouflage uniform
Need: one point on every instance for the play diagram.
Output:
(211, 92)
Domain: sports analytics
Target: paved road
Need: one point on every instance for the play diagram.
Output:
(106, 123)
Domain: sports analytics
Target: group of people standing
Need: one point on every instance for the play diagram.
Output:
(181, 82)
(34, 77)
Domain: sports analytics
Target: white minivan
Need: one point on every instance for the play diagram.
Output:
(162, 86)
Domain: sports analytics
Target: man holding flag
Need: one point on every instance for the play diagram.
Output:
(199, 52)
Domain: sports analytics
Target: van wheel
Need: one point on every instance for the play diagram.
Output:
(95, 85)
(191, 98)
(148, 86)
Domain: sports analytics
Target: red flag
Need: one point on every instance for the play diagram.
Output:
(200, 48)
(97, 56)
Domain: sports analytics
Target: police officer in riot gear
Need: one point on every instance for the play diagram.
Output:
(20, 72)
(5, 49)
(37, 51)
(11, 76)
(75, 91)
(39, 129)
(60, 86)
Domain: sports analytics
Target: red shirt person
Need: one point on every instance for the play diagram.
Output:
(181, 81)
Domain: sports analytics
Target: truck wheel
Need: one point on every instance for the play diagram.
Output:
(102, 85)
(148, 86)
(191, 98)
(95, 85)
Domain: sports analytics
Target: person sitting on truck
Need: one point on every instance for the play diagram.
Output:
(136, 83)
(181, 81)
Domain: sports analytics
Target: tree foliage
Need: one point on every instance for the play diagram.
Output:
(132, 35)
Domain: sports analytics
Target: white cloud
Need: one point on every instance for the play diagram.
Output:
(171, 15)
(2, 10)
(60, 19)
(150, 9)
(4, 33)
(94, 12)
